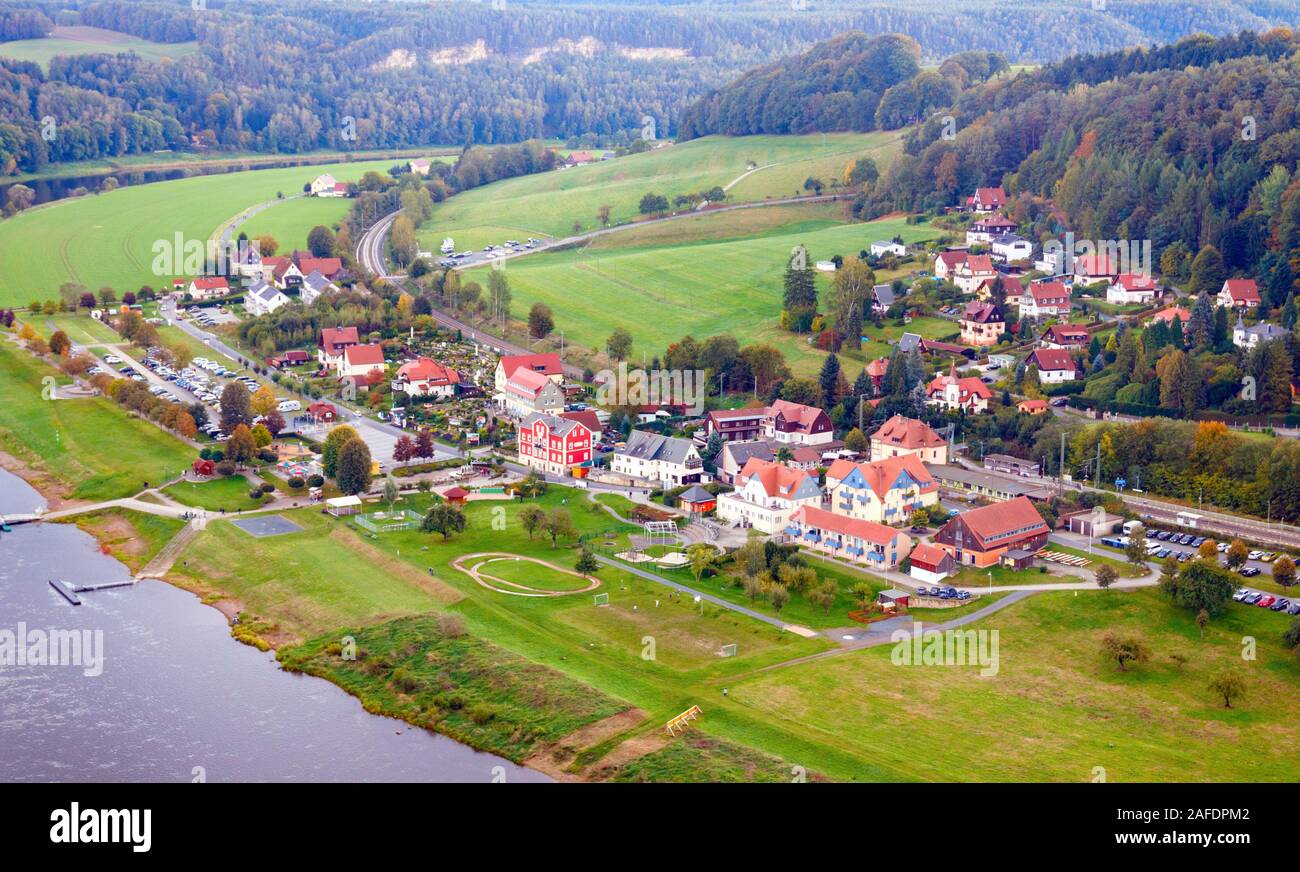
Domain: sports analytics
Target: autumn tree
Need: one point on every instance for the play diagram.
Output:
(353, 473)
(334, 441)
(263, 402)
(1124, 649)
(240, 447)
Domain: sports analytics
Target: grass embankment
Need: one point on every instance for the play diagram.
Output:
(132, 537)
(428, 673)
(89, 448)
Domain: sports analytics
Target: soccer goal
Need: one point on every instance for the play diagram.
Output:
(600, 599)
(728, 650)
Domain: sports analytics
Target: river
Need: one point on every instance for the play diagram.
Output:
(176, 698)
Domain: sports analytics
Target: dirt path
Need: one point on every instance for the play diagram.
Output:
(476, 572)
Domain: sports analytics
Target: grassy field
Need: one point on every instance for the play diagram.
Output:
(548, 204)
(290, 221)
(663, 292)
(91, 448)
(81, 329)
(1057, 708)
(227, 493)
(91, 40)
(108, 239)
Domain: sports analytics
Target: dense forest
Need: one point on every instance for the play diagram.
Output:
(295, 75)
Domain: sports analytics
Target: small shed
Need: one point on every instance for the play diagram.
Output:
(341, 506)
(698, 501)
(893, 598)
(1091, 522)
(456, 495)
(930, 563)
(1018, 558)
(203, 467)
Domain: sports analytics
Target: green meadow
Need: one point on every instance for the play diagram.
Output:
(108, 239)
(92, 40)
(91, 448)
(549, 204)
(661, 292)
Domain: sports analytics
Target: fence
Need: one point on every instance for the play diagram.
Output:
(389, 522)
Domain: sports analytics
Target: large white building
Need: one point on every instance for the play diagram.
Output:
(669, 461)
(766, 495)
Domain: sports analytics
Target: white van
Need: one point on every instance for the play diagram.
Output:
(289, 406)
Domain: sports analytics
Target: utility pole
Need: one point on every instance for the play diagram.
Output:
(1096, 475)
(1060, 472)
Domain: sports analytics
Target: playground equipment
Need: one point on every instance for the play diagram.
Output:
(681, 721)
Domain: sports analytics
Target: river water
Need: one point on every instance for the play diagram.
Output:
(177, 699)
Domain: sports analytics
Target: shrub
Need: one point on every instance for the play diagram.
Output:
(255, 494)
(451, 625)
(267, 487)
(315, 481)
(226, 467)
(296, 482)
(480, 713)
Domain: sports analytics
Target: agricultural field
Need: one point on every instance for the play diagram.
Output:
(663, 292)
(290, 221)
(91, 40)
(549, 204)
(91, 448)
(108, 239)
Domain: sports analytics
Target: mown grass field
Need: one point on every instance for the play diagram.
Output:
(81, 328)
(91, 40)
(228, 493)
(108, 239)
(291, 220)
(549, 204)
(91, 448)
(662, 292)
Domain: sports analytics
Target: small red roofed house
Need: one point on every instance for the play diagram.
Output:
(333, 342)
(426, 378)
(986, 199)
(796, 423)
(307, 264)
(208, 287)
(361, 361)
(876, 370)
(323, 413)
(548, 365)
(930, 564)
(1054, 365)
(945, 265)
(1240, 294)
(900, 435)
(1169, 314)
(956, 394)
(1046, 300)
(974, 271)
(1032, 407)
(1066, 336)
(981, 324)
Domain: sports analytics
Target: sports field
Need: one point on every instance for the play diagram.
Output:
(660, 293)
(108, 239)
(549, 204)
(91, 40)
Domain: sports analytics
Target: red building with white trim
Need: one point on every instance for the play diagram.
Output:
(548, 443)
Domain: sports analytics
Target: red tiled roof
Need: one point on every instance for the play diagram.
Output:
(908, 433)
(927, 555)
(981, 313)
(880, 475)
(208, 283)
(777, 479)
(547, 364)
(332, 337)
(1242, 290)
(364, 355)
(1044, 292)
(586, 418)
(1068, 334)
(1135, 282)
(426, 370)
(1051, 359)
(527, 382)
(994, 524)
(978, 263)
(1168, 315)
(878, 367)
(1032, 405)
(804, 417)
(868, 531)
(953, 259)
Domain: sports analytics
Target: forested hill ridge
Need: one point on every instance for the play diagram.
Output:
(1185, 156)
(295, 75)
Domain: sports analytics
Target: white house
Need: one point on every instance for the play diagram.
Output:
(208, 287)
(825, 266)
(985, 230)
(426, 378)
(766, 495)
(1009, 247)
(880, 249)
(973, 272)
(1131, 288)
(1239, 294)
(1249, 337)
(419, 166)
(326, 185)
(1054, 365)
(1045, 300)
(263, 299)
(360, 360)
(313, 286)
(671, 462)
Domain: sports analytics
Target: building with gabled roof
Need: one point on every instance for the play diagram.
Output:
(361, 360)
(263, 299)
(1045, 300)
(555, 445)
(767, 494)
(980, 537)
(883, 491)
(982, 324)
(852, 539)
(668, 460)
(426, 378)
(333, 342)
(946, 263)
(797, 423)
(954, 393)
(986, 199)
(1054, 364)
(1129, 288)
(734, 425)
(527, 391)
(548, 365)
(208, 287)
(1066, 336)
(1240, 294)
(901, 435)
(973, 272)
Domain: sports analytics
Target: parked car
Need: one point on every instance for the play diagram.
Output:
(1265, 601)
(1251, 598)
(1241, 594)
(1281, 605)
(1249, 571)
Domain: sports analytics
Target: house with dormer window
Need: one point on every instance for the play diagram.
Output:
(883, 491)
